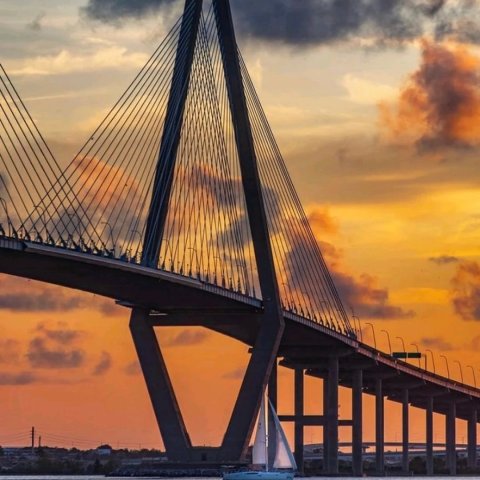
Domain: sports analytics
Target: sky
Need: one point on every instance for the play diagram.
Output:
(376, 108)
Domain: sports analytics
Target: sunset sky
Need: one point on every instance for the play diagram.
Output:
(376, 108)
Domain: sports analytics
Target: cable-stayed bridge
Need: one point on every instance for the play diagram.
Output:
(179, 206)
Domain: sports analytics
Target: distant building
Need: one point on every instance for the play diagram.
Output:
(104, 450)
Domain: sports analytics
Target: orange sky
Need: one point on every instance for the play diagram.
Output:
(382, 144)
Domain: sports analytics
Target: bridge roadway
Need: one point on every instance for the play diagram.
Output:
(307, 347)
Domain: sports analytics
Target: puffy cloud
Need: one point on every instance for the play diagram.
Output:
(317, 22)
(444, 259)
(39, 301)
(47, 350)
(186, 338)
(103, 365)
(466, 290)
(42, 355)
(440, 103)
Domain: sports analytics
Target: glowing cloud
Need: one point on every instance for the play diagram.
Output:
(440, 104)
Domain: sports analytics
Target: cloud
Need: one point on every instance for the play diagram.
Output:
(111, 11)
(41, 354)
(444, 259)
(66, 62)
(437, 343)
(22, 378)
(41, 300)
(466, 290)
(319, 22)
(440, 104)
(104, 364)
(362, 293)
(36, 24)
(60, 335)
(366, 92)
(133, 368)
(187, 338)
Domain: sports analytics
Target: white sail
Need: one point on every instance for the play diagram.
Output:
(260, 447)
(283, 454)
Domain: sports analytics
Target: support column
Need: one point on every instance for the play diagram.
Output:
(357, 440)
(326, 424)
(450, 434)
(299, 411)
(405, 433)
(472, 438)
(332, 414)
(429, 436)
(379, 428)
(273, 398)
(165, 405)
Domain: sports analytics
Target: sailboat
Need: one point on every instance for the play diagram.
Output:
(284, 464)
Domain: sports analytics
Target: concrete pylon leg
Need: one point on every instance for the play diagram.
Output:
(379, 428)
(429, 435)
(472, 438)
(451, 453)
(405, 432)
(325, 424)
(332, 414)
(165, 405)
(299, 411)
(357, 427)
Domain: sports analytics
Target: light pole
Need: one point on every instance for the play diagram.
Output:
(460, 367)
(388, 338)
(373, 332)
(433, 359)
(418, 351)
(403, 344)
(446, 363)
(111, 235)
(359, 326)
(473, 373)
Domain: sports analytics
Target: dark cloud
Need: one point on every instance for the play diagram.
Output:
(466, 290)
(43, 355)
(104, 364)
(61, 335)
(437, 343)
(110, 11)
(316, 22)
(440, 104)
(133, 368)
(444, 259)
(43, 300)
(186, 338)
(9, 350)
(22, 378)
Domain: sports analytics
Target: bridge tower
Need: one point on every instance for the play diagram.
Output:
(264, 352)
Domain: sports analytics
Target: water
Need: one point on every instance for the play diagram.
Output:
(98, 477)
